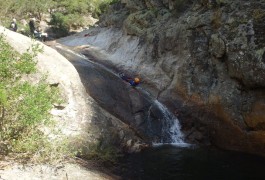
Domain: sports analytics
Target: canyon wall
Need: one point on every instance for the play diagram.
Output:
(204, 59)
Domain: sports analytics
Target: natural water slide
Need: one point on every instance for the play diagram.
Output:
(150, 119)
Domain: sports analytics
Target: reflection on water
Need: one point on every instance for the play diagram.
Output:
(169, 162)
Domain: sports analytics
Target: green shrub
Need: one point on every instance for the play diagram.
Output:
(24, 107)
(65, 14)
(98, 7)
(75, 20)
(59, 24)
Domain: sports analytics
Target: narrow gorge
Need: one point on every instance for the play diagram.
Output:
(198, 112)
(204, 60)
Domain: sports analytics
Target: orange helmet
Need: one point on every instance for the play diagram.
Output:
(137, 80)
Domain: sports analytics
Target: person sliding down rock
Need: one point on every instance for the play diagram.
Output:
(133, 81)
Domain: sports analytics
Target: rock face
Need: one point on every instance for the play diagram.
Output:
(142, 113)
(205, 59)
(80, 118)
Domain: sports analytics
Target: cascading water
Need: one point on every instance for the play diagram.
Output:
(170, 129)
(160, 125)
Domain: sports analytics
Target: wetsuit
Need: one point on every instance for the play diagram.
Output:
(129, 80)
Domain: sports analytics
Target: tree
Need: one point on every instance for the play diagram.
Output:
(35, 8)
(65, 14)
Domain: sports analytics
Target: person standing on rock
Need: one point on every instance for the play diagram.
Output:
(36, 31)
(13, 25)
(32, 26)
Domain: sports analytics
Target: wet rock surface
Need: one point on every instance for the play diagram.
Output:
(205, 60)
(132, 105)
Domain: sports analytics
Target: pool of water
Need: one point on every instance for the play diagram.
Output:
(193, 163)
(164, 162)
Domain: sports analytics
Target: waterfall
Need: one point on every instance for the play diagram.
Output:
(161, 126)
(171, 132)
(170, 127)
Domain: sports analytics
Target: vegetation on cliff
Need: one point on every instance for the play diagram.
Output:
(24, 106)
(64, 14)
(33, 119)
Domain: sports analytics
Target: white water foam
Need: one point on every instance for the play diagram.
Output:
(171, 126)
(181, 145)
